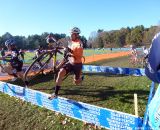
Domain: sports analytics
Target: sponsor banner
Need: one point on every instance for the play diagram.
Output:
(103, 117)
(114, 70)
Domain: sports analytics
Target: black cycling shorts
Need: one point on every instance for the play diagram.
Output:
(17, 65)
(75, 68)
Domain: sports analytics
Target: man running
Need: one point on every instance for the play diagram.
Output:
(74, 64)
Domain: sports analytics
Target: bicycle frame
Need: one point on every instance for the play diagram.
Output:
(43, 60)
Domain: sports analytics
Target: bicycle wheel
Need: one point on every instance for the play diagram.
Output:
(58, 65)
(40, 65)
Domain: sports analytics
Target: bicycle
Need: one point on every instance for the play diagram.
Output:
(43, 60)
(40, 64)
(136, 59)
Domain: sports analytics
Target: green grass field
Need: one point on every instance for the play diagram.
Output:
(109, 91)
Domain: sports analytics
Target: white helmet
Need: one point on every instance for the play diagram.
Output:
(75, 30)
(131, 46)
(10, 42)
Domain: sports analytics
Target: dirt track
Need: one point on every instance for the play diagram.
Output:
(88, 59)
(93, 58)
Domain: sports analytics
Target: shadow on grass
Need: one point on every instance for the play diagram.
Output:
(38, 79)
(125, 96)
(50, 76)
(41, 78)
(101, 94)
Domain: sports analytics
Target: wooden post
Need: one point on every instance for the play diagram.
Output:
(136, 104)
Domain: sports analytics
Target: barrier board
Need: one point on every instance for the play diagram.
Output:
(114, 70)
(103, 117)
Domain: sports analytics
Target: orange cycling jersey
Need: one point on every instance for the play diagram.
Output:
(77, 51)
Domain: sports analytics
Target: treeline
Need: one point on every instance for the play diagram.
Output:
(33, 41)
(138, 36)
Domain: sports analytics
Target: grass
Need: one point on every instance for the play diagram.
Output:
(109, 91)
(118, 62)
(18, 115)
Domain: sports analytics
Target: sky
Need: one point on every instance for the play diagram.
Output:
(28, 17)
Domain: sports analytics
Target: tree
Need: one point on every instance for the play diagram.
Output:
(115, 38)
(84, 41)
(119, 39)
(107, 38)
(128, 39)
(19, 41)
(1, 42)
(92, 39)
(5, 37)
(99, 42)
(99, 31)
(137, 35)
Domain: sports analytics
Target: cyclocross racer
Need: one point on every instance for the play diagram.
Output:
(75, 61)
(15, 64)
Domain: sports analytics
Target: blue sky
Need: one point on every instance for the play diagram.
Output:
(27, 17)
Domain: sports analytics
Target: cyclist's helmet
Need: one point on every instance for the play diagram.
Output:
(40, 47)
(51, 34)
(75, 30)
(10, 42)
(50, 38)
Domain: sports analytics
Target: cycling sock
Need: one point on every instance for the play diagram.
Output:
(57, 88)
(82, 77)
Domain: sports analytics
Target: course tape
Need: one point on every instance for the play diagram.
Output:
(103, 117)
(114, 70)
(106, 69)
